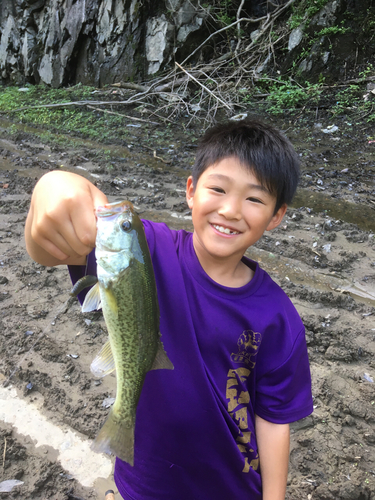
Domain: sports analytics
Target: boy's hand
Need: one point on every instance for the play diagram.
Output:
(61, 224)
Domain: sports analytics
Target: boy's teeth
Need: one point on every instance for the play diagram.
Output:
(224, 230)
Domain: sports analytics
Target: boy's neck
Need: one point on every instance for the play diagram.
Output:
(232, 273)
(241, 276)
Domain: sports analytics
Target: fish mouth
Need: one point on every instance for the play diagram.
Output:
(115, 208)
(112, 251)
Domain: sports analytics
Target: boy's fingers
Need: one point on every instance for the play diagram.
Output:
(83, 222)
(70, 243)
(53, 250)
(60, 240)
(80, 232)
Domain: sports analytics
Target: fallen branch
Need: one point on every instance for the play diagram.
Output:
(130, 86)
(158, 157)
(122, 115)
(238, 28)
(204, 87)
(66, 104)
(5, 450)
(142, 88)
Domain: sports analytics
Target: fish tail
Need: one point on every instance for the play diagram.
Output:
(116, 437)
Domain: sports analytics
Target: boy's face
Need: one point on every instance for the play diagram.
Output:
(231, 210)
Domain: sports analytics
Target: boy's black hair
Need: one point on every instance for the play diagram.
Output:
(259, 147)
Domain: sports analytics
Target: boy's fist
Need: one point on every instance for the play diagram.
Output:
(61, 224)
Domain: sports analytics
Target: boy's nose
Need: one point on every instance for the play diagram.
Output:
(230, 209)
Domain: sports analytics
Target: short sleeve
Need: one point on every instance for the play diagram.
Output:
(283, 395)
(150, 234)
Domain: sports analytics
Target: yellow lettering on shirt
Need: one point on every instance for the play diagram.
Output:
(239, 398)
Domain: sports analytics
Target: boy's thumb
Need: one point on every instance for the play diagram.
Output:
(98, 197)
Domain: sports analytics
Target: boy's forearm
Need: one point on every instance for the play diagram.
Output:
(273, 449)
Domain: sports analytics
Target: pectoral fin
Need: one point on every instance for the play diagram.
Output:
(161, 360)
(92, 300)
(103, 364)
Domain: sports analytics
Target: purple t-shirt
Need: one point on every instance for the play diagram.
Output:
(236, 352)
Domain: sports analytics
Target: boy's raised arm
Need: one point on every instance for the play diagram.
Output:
(61, 224)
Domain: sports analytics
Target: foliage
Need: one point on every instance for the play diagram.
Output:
(304, 10)
(333, 30)
(287, 95)
(75, 120)
(357, 101)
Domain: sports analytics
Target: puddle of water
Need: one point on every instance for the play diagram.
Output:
(115, 151)
(120, 151)
(362, 215)
(74, 452)
(297, 273)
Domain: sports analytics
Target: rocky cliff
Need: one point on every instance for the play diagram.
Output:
(97, 42)
(91, 41)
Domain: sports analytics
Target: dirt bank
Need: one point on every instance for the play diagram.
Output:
(323, 255)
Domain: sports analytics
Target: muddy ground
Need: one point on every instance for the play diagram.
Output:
(323, 255)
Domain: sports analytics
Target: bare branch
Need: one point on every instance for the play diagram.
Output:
(120, 114)
(244, 19)
(238, 28)
(203, 86)
(130, 86)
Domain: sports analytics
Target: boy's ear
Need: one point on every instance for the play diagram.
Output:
(277, 217)
(190, 191)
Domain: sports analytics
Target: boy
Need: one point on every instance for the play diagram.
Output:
(217, 427)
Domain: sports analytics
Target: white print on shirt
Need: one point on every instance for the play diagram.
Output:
(239, 398)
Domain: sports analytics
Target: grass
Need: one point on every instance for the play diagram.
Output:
(59, 125)
(78, 121)
(304, 10)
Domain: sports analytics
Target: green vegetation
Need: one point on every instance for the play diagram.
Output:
(333, 30)
(276, 96)
(287, 95)
(304, 10)
(225, 13)
(78, 121)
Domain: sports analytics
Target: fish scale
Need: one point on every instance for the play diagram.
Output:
(136, 355)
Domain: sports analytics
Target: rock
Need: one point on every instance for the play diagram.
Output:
(295, 37)
(158, 35)
(104, 42)
(327, 15)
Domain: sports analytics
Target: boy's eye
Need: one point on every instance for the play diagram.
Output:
(255, 200)
(218, 189)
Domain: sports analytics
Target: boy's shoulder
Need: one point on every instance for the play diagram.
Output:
(163, 234)
(269, 291)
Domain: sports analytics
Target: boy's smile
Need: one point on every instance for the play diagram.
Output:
(231, 210)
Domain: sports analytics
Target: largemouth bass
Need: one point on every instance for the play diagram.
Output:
(127, 290)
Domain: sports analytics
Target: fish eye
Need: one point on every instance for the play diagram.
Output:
(126, 225)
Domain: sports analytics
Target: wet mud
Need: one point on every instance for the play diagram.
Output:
(323, 255)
